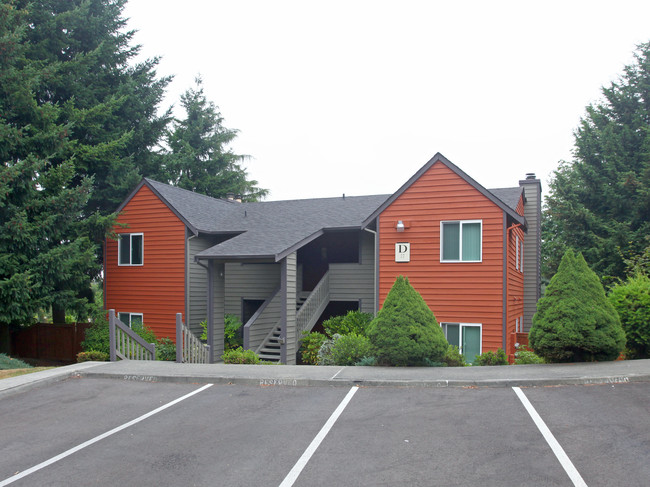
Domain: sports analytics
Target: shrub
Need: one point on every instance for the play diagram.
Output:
(97, 337)
(166, 350)
(453, 357)
(7, 362)
(574, 321)
(353, 322)
(309, 347)
(405, 331)
(631, 299)
(240, 356)
(92, 356)
(492, 358)
(145, 333)
(524, 356)
(232, 337)
(349, 349)
(366, 362)
(325, 351)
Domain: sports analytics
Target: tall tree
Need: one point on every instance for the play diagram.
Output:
(200, 159)
(46, 256)
(599, 203)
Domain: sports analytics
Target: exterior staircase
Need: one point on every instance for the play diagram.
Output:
(271, 348)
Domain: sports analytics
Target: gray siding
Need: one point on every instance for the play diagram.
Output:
(266, 322)
(249, 281)
(532, 249)
(351, 282)
(197, 287)
(290, 290)
(218, 300)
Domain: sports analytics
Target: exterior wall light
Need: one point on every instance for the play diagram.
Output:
(400, 226)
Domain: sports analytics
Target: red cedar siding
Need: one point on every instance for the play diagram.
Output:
(515, 290)
(157, 288)
(455, 292)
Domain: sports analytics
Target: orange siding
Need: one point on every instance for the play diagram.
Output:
(455, 292)
(515, 290)
(157, 288)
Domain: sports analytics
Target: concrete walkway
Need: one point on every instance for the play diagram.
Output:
(305, 375)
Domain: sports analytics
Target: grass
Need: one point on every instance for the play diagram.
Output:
(12, 367)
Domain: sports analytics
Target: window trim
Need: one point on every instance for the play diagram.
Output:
(460, 333)
(119, 248)
(460, 241)
(131, 315)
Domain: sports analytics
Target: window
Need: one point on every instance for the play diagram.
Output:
(466, 336)
(130, 319)
(131, 249)
(460, 241)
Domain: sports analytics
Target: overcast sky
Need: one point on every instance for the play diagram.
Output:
(353, 97)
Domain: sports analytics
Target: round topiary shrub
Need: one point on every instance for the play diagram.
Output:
(574, 321)
(350, 349)
(405, 331)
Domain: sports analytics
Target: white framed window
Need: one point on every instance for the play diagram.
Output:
(130, 319)
(130, 249)
(461, 241)
(466, 336)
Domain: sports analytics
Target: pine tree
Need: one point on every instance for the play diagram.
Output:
(200, 159)
(574, 321)
(599, 203)
(46, 256)
(405, 330)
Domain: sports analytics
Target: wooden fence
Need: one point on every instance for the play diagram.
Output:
(49, 342)
(189, 349)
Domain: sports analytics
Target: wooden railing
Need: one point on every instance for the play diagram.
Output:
(189, 349)
(127, 344)
(313, 306)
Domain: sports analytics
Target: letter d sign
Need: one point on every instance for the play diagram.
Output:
(402, 252)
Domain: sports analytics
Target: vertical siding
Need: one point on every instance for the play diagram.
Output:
(290, 307)
(157, 288)
(532, 249)
(455, 292)
(249, 281)
(351, 282)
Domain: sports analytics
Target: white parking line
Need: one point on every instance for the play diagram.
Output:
(302, 461)
(559, 452)
(69, 452)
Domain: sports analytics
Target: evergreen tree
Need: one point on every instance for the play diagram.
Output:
(574, 321)
(405, 330)
(46, 256)
(200, 159)
(600, 201)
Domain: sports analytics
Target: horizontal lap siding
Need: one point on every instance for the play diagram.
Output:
(351, 282)
(249, 281)
(455, 292)
(157, 288)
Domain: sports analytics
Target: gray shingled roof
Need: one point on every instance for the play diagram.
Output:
(271, 230)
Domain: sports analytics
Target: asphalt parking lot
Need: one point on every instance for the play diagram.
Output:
(89, 431)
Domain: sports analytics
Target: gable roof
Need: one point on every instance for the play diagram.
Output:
(496, 197)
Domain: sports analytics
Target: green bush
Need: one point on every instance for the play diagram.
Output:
(631, 299)
(145, 332)
(523, 356)
(366, 362)
(353, 322)
(310, 344)
(232, 337)
(453, 357)
(492, 358)
(166, 350)
(405, 331)
(97, 337)
(92, 356)
(574, 321)
(325, 351)
(7, 362)
(349, 349)
(240, 356)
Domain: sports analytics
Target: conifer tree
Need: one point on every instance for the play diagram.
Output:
(598, 203)
(574, 321)
(405, 330)
(200, 159)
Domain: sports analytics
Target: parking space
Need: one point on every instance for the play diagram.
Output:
(248, 435)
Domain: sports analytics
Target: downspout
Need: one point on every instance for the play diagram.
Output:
(506, 275)
(376, 290)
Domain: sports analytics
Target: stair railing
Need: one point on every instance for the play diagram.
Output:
(127, 344)
(313, 306)
(189, 349)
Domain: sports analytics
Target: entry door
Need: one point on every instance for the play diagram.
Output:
(471, 342)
